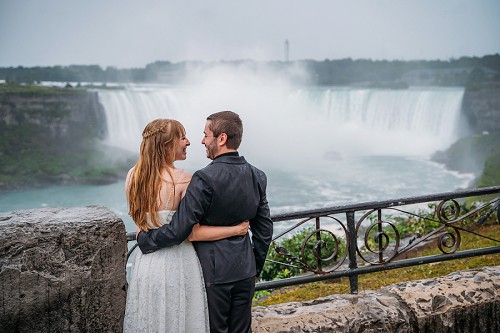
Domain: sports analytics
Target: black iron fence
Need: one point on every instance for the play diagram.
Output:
(373, 236)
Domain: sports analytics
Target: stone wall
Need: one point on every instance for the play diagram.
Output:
(466, 302)
(62, 270)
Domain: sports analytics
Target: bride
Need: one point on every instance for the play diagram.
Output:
(166, 291)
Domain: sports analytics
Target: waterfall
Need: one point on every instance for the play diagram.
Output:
(303, 122)
(418, 111)
(418, 119)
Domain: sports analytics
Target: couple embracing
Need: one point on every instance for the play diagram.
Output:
(206, 285)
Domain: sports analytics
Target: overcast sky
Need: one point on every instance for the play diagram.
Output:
(133, 33)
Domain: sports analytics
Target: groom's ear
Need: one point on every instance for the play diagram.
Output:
(222, 139)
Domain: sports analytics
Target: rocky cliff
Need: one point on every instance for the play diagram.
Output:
(480, 152)
(68, 118)
(52, 135)
(481, 105)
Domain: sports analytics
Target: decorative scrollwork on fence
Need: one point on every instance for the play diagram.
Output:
(325, 247)
(447, 210)
(381, 240)
(320, 246)
(449, 241)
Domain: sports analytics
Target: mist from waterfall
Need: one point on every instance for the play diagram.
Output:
(291, 124)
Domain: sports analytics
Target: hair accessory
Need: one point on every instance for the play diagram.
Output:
(148, 134)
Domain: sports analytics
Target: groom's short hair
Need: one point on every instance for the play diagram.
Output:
(227, 122)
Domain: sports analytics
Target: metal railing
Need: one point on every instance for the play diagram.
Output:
(374, 241)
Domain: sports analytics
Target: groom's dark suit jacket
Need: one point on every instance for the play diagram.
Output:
(226, 192)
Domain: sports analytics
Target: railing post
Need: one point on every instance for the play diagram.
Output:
(351, 230)
(318, 239)
(379, 236)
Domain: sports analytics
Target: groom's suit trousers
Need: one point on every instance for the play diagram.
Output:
(230, 306)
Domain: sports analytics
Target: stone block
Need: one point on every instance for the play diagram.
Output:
(464, 301)
(62, 270)
(366, 312)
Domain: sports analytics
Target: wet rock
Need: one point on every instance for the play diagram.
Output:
(62, 270)
(367, 312)
(465, 301)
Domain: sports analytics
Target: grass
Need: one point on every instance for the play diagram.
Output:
(374, 281)
(32, 89)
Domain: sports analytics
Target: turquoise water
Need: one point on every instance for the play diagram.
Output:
(111, 196)
(316, 184)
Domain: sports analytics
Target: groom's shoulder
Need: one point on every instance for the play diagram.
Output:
(260, 174)
(210, 171)
(207, 172)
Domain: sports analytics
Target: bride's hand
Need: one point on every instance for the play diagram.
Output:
(242, 228)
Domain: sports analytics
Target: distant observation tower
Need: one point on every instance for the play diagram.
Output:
(287, 51)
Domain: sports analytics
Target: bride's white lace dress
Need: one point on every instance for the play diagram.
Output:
(166, 292)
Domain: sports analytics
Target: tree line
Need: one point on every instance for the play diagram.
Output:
(377, 73)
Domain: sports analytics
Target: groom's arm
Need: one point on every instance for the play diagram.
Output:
(191, 210)
(261, 226)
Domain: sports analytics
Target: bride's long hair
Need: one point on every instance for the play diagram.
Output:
(159, 142)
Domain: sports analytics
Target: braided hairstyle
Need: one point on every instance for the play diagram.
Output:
(159, 142)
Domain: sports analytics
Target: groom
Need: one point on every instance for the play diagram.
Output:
(226, 192)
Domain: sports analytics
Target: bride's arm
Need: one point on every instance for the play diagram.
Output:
(213, 233)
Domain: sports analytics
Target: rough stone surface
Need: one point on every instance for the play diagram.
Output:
(62, 270)
(466, 301)
(367, 312)
(67, 117)
(482, 108)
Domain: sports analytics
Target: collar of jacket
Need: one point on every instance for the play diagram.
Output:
(232, 158)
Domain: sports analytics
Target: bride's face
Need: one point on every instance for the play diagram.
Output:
(181, 151)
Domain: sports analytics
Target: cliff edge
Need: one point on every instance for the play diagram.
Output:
(53, 136)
